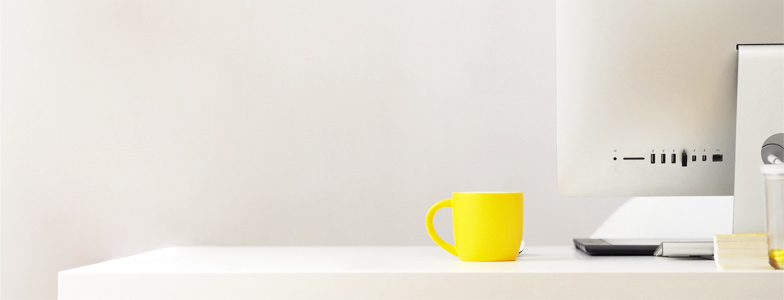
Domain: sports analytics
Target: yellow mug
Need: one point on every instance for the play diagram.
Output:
(487, 226)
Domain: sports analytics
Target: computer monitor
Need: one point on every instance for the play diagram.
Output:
(646, 93)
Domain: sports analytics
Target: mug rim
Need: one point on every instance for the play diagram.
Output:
(481, 192)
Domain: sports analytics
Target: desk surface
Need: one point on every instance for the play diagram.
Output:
(405, 272)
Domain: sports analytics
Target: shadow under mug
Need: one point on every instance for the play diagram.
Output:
(488, 226)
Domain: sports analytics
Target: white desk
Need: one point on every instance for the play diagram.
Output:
(405, 272)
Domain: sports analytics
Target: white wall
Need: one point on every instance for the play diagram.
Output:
(133, 125)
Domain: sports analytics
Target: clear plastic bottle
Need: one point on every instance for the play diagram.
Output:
(774, 199)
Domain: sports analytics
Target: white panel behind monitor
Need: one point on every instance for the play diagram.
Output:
(637, 78)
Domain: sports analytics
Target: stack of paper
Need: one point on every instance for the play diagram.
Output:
(741, 251)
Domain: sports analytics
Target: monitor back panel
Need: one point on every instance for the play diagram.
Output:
(646, 93)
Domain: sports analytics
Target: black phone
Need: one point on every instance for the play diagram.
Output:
(617, 247)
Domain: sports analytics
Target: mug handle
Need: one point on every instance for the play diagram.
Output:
(432, 230)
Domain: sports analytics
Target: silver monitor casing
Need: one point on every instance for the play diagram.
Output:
(760, 122)
(637, 78)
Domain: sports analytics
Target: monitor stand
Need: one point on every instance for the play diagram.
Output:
(641, 224)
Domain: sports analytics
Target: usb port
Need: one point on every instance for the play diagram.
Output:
(684, 158)
(718, 157)
(653, 158)
(674, 157)
(694, 158)
(704, 158)
(664, 158)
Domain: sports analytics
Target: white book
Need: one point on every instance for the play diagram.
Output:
(721, 252)
(743, 264)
